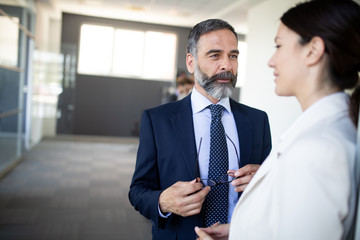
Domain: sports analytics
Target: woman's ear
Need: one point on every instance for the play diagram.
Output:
(190, 62)
(315, 50)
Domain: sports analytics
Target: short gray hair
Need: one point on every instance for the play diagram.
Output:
(204, 27)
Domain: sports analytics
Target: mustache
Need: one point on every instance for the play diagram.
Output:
(223, 75)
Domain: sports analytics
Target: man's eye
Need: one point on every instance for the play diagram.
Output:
(234, 56)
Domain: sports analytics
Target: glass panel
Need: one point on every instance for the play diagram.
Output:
(9, 117)
(128, 52)
(96, 49)
(47, 74)
(9, 140)
(159, 56)
(9, 36)
(15, 47)
(9, 90)
(46, 83)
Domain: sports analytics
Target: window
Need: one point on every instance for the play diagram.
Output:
(159, 56)
(127, 53)
(128, 61)
(9, 36)
(95, 54)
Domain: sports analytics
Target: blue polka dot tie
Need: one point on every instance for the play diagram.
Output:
(216, 204)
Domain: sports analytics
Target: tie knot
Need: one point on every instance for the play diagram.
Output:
(216, 110)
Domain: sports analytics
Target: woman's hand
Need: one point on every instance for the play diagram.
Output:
(243, 176)
(215, 232)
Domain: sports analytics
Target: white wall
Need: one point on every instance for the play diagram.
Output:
(259, 86)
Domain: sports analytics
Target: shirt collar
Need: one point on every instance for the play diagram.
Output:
(199, 102)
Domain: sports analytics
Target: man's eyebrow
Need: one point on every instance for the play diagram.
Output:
(213, 51)
(219, 51)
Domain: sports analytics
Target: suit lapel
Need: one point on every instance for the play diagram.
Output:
(244, 130)
(182, 122)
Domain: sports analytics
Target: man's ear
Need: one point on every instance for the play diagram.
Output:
(190, 62)
(315, 50)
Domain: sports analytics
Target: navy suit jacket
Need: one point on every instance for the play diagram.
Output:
(167, 154)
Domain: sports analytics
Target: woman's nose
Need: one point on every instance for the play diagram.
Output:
(271, 62)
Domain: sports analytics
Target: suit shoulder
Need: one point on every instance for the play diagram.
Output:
(170, 108)
(247, 110)
(162, 108)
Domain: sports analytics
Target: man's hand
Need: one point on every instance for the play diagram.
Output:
(183, 198)
(215, 232)
(243, 176)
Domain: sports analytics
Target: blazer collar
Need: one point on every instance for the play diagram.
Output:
(182, 121)
(328, 106)
(244, 130)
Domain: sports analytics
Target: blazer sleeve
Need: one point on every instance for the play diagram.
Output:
(266, 139)
(145, 187)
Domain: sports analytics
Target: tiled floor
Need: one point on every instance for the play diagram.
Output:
(70, 188)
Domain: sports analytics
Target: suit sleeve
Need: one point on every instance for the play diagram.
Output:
(145, 188)
(266, 139)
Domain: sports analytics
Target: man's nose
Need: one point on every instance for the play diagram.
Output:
(225, 64)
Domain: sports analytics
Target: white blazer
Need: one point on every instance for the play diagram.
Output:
(305, 189)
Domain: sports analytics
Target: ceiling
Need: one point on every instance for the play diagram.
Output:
(184, 13)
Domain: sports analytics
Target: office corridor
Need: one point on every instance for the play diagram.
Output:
(72, 188)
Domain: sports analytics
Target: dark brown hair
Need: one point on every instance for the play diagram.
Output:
(337, 23)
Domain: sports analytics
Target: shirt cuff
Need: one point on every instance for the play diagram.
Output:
(161, 214)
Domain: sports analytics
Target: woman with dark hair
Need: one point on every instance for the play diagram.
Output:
(306, 188)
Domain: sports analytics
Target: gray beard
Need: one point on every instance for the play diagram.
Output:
(213, 88)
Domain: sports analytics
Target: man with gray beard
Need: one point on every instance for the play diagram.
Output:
(178, 160)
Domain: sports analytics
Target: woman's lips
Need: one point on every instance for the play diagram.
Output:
(276, 75)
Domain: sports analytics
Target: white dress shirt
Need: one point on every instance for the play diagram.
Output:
(202, 121)
(305, 188)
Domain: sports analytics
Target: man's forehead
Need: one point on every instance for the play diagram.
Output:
(208, 48)
(217, 40)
